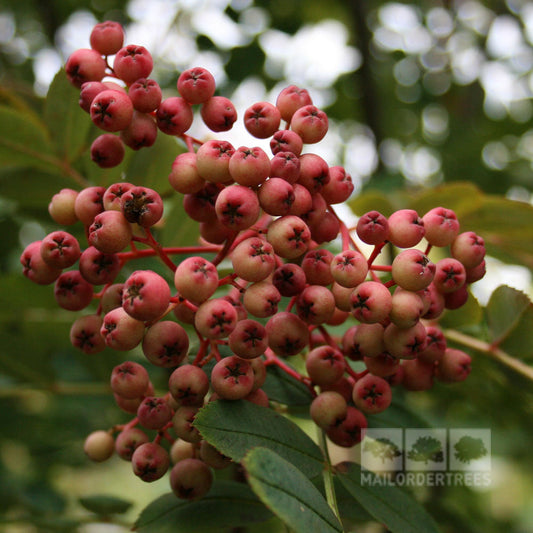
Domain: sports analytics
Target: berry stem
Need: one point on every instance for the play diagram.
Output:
(273, 359)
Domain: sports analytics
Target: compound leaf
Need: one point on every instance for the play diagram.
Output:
(234, 427)
(227, 504)
(286, 490)
(389, 505)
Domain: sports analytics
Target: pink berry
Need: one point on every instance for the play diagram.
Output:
(196, 85)
(145, 295)
(262, 119)
(111, 110)
(218, 113)
(174, 116)
(85, 65)
(107, 37)
(132, 62)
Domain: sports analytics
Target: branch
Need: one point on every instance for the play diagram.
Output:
(492, 351)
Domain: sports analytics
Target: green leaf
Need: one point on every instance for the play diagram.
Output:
(234, 427)
(105, 505)
(510, 320)
(68, 124)
(178, 228)
(506, 227)
(24, 141)
(227, 504)
(457, 196)
(397, 415)
(284, 389)
(151, 166)
(371, 201)
(389, 505)
(290, 495)
(470, 314)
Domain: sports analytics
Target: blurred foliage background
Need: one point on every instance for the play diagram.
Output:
(421, 95)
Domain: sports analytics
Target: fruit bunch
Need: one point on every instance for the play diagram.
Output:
(298, 274)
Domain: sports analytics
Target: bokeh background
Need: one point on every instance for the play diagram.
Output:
(419, 94)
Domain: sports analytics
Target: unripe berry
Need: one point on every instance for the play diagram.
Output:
(98, 268)
(128, 441)
(88, 203)
(121, 331)
(468, 248)
(111, 110)
(60, 249)
(412, 270)
(249, 339)
(174, 116)
(290, 99)
(150, 461)
(110, 232)
(371, 302)
(441, 226)
(107, 150)
(287, 333)
(200, 206)
(61, 207)
(145, 295)
(145, 95)
(218, 113)
(132, 62)
(373, 228)
(325, 365)
(184, 176)
(286, 141)
(213, 159)
(215, 319)
(289, 236)
(232, 378)
(237, 207)
(196, 279)
(188, 385)
(112, 198)
(249, 166)
(349, 268)
(262, 119)
(142, 205)
(372, 394)
(72, 292)
(253, 259)
(107, 37)
(455, 365)
(141, 133)
(196, 85)
(154, 413)
(85, 65)
(129, 380)
(406, 228)
(99, 446)
(85, 334)
(190, 479)
(328, 409)
(339, 187)
(310, 123)
(261, 299)
(407, 308)
(181, 449)
(276, 196)
(165, 344)
(350, 431)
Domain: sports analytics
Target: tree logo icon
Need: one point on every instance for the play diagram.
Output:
(468, 449)
(383, 449)
(426, 449)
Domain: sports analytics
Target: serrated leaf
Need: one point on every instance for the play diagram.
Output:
(510, 320)
(24, 141)
(235, 427)
(389, 505)
(288, 492)
(227, 504)
(105, 505)
(68, 124)
(284, 389)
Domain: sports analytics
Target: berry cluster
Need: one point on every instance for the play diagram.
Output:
(297, 270)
